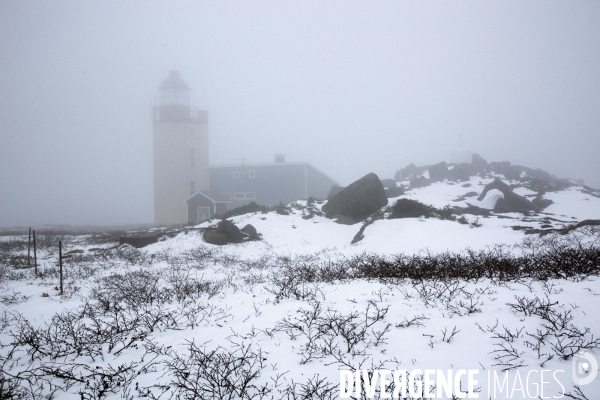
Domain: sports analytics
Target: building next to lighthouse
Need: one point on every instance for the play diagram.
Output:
(187, 190)
(180, 142)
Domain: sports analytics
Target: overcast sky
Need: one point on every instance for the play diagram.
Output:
(351, 87)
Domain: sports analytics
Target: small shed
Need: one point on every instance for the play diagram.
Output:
(204, 205)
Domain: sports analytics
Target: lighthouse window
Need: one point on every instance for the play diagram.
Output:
(191, 131)
(192, 187)
(192, 158)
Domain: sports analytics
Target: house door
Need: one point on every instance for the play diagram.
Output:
(203, 214)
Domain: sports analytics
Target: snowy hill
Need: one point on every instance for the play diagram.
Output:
(280, 317)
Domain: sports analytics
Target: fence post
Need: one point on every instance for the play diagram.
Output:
(34, 254)
(60, 265)
(28, 246)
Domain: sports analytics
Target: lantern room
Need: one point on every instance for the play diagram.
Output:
(174, 91)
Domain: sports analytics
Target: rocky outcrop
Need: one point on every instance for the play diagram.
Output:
(411, 170)
(534, 179)
(438, 172)
(359, 200)
(511, 202)
(462, 172)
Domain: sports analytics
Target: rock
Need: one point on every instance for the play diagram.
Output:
(359, 200)
(388, 183)
(462, 172)
(438, 172)
(411, 170)
(478, 160)
(138, 241)
(405, 172)
(359, 235)
(498, 167)
(540, 202)
(213, 237)
(230, 230)
(419, 182)
(394, 192)
(513, 172)
(473, 210)
(464, 196)
(249, 230)
(511, 202)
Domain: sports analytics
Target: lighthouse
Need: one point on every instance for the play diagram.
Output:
(180, 151)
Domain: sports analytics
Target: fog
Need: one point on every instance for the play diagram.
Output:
(351, 87)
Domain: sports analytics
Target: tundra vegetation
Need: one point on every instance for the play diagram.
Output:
(184, 320)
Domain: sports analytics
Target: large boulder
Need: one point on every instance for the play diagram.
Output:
(213, 237)
(394, 192)
(410, 171)
(232, 232)
(511, 202)
(359, 200)
(388, 183)
(438, 172)
(462, 172)
(391, 188)
(419, 182)
(251, 232)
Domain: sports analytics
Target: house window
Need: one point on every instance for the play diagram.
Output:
(251, 195)
(239, 196)
(192, 158)
(236, 174)
(251, 174)
(227, 195)
(192, 187)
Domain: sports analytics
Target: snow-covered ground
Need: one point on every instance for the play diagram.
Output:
(236, 312)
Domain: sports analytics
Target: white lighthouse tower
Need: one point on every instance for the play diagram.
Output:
(180, 151)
